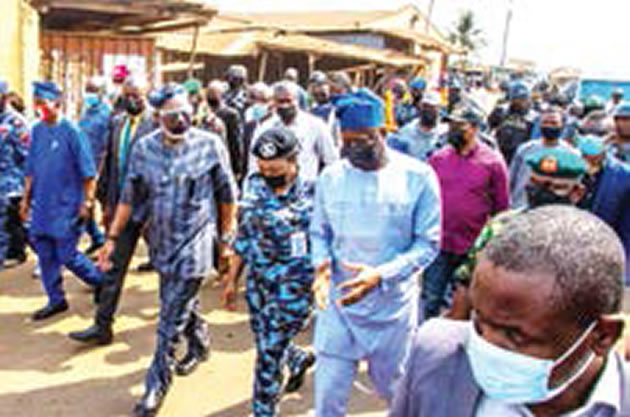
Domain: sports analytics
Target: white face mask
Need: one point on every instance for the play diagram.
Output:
(515, 378)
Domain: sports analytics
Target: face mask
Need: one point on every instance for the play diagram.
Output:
(256, 112)
(428, 118)
(364, 156)
(276, 182)
(214, 103)
(134, 106)
(417, 98)
(456, 139)
(91, 99)
(175, 125)
(549, 132)
(44, 112)
(515, 378)
(3, 106)
(540, 196)
(287, 113)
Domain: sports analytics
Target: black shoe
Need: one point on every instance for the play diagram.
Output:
(97, 335)
(150, 404)
(146, 267)
(190, 362)
(93, 248)
(50, 311)
(297, 379)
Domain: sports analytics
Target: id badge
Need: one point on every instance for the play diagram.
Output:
(298, 244)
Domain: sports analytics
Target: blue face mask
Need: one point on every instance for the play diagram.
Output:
(256, 112)
(515, 378)
(91, 99)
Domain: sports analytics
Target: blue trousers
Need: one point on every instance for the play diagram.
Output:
(437, 279)
(54, 253)
(179, 316)
(4, 235)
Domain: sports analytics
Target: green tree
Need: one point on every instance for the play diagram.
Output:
(466, 36)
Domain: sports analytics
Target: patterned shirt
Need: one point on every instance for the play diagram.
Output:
(14, 145)
(182, 184)
(273, 231)
(237, 99)
(95, 123)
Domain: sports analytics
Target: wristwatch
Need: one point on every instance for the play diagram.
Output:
(228, 238)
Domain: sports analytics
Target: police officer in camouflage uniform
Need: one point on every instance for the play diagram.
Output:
(513, 123)
(272, 241)
(14, 143)
(556, 175)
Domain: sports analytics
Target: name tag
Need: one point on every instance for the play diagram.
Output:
(298, 244)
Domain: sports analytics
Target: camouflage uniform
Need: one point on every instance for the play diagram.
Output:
(14, 144)
(273, 242)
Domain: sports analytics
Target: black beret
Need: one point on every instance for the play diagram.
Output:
(276, 143)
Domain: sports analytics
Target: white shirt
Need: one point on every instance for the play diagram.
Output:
(606, 394)
(316, 142)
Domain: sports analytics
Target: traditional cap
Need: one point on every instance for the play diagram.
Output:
(431, 98)
(158, 97)
(418, 83)
(120, 73)
(622, 109)
(318, 77)
(276, 143)
(519, 91)
(361, 109)
(557, 163)
(192, 86)
(594, 102)
(591, 145)
(618, 92)
(464, 113)
(46, 90)
(4, 87)
(238, 71)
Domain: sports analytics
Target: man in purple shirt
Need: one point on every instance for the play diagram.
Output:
(474, 187)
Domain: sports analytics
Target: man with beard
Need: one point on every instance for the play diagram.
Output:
(317, 148)
(421, 137)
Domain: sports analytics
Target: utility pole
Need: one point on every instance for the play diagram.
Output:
(506, 33)
(431, 4)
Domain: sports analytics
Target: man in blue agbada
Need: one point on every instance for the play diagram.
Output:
(272, 241)
(182, 175)
(95, 124)
(14, 143)
(376, 223)
(60, 187)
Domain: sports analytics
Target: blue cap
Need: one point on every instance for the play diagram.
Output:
(418, 83)
(519, 91)
(46, 90)
(159, 96)
(622, 109)
(4, 87)
(591, 145)
(361, 109)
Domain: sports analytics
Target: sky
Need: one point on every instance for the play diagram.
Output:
(591, 35)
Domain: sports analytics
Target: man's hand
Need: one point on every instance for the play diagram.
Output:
(366, 278)
(25, 209)
(228, 297)
(104, 263)
(321, 285)
(225, 256)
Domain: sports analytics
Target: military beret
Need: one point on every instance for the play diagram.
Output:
(594, 102)
(276, 143)
(418, 83)
(556, 163)
(46, 90)
(464, 113)
(361, 109)
(192, 86)
(591, 145)
(159, 96)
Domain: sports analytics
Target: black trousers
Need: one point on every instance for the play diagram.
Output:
(115, 277)
(15, 230)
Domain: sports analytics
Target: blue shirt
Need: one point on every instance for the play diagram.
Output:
(388, 219)
(14, 144)
(95, 123)
(415, 142)
(58, 163)
(273, 231)
(181, 184)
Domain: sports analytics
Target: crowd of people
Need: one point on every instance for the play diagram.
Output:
(476, 262)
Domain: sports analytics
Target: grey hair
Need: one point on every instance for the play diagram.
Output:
(261, 88)
(283, 87)
(581, 252)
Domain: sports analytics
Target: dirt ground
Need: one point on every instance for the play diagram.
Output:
(43, 373)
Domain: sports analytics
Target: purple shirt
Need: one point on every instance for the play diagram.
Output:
(474, 187)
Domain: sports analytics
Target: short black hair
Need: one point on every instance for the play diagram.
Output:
(581, 252)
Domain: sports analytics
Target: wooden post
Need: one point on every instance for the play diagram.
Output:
(312, 59)
(262, 65)
(193, 52)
